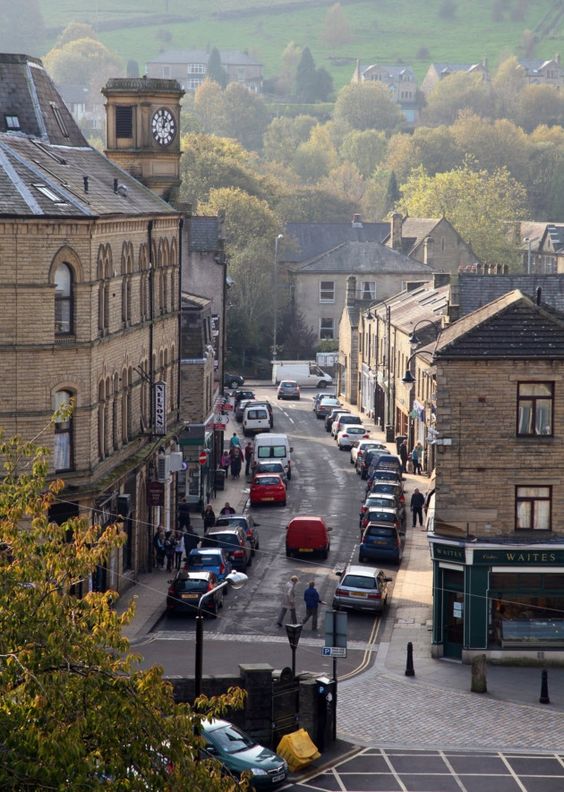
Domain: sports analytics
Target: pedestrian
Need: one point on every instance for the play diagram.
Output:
(249, 453)
(183, 514)
(236, 461)
(416, 503)
(312, 602)
(403, 456)
(289, 601)
(416, 459)
(234, 441)
(178, 549)
(169, 548)
(191, 540)
(225, 461)
(208, 517)
(159, 546)
(227, 509)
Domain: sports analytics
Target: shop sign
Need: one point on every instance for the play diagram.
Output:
(155, 493)
(159, 417)
(193, 434)
(448, 553)
(524, 556)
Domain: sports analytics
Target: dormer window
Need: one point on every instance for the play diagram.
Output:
(59, 119)
(12, 123)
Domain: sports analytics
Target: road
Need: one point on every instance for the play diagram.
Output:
(323, 482)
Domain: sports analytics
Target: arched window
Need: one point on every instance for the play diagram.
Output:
(115, 405)
(101, 421)
(64, 303)
(63, 446)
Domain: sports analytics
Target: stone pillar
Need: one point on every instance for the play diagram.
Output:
(308, 706)
(256, 679)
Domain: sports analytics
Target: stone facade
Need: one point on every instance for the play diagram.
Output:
(433, 241)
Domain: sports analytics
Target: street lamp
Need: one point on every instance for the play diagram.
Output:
(234, 579)
(414, 341)
(528, 240)
(408, 379)
(293, 632)
(275, 286)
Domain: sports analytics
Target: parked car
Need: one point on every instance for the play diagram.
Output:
(268, 466)
(304, 372)
(233, 380)
(240, 408)
(321, 395)
(288, 389)
(234, 540)
(381, 542)
(383, 500)
(240, 394)
(268, 405)
(239, 752)
(362, 588)
(256, 418)
(360, 447)
(271, 447)
(209, 559)
(307, 534)
(333, 415)
(344, 420)
(186, 589)
(363, 464)
(268, 488)
(244, 521)
(350, 434)
(325, 406)
(388, 462)
(382, 475)
(380, 514)
(389, 487)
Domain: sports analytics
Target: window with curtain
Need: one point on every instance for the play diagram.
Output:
(63, 300)
(327, 291)
(533, 508)
(534, 408)
(63, 446)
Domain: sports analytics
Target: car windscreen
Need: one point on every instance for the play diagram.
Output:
(230, 739)
(220, 540)
(349, 419)
(359, 581)
(256, 414)
(267, 481)
(379, 530)
(373, 503)
(384, 487)
(381, 516)
(386, 475)
(355, 429)
(264, 452)
(186, 584)
(204, 560)
(270, 467)
(239, 521)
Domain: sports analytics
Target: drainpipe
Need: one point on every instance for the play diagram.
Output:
(151, 325)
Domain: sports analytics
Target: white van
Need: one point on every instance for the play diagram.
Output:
(304, 372)
(274, 447)
(255, 419)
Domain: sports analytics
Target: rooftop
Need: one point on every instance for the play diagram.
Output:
(363, 258)
(228, 57)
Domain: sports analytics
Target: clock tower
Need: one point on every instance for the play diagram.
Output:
(143, 130)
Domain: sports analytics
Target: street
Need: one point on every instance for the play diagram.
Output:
(324, 482)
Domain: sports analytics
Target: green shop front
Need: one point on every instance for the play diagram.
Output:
(502, 600)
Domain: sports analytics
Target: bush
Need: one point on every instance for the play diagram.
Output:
(423, 53)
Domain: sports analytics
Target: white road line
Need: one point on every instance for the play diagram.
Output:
(513, 774)
(451, 768)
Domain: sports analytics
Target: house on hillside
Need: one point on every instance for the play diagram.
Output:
(400, 81)
(496, 536)
(304, 241)
(438, 71)
(543, 72)
(431, 240)
(190, 68)
(541, 245)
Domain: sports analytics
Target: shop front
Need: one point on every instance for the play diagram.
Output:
(505, 600)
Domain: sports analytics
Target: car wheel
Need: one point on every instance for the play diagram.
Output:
(351, 461)
(320, 384)
(325, 553)
(288, 552)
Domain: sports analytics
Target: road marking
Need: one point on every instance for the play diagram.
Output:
(451, 768)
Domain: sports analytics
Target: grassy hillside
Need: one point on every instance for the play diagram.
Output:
(382, 30)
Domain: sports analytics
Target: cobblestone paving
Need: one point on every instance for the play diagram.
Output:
(377, 709)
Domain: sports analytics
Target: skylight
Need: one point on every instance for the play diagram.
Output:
(12, 122)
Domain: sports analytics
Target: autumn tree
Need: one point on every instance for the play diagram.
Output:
(459, 91)
(283, 135)
(508, 83)
(84, 61)
(365, 149)
(345, 181)
(209, 107)
(336, 30)
(304, 204)
(76, 710)
(540, 104)
(290, 59)
(479, 205)
(367, 105)
(246, 115)
(75, 30)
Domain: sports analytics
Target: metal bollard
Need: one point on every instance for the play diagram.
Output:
(544, 699)
(409, 670)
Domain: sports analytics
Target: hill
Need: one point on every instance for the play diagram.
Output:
(414, 31)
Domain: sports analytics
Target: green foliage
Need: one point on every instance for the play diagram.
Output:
(364, 149)
(76, 710)
(246, 116)
(457, 92)
(84, 61)
(284, 135)
(76, 30)
(297, 338)
(306, 77)
(313, 205)
(216, 72)
(367, 106)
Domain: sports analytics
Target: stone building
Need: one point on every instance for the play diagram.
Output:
(539, 71)
(399, 79)
(496, 530)
(190, 67)
(431, 240)
(90, 284)
(440, 71)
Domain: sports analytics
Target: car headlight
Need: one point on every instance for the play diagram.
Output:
(257, 771)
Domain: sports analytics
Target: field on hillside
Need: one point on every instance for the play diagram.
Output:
(381, 30)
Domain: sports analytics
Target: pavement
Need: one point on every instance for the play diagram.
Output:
(380, 705)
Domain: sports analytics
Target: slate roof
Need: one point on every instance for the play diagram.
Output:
(556, 234)
(393, 71)
(477, 290)
(450, 68)
(509, 328)
(204, 234)
(535, 65)
(308, 240)
(363, 258)
(42, 170)
(425, 304)
(413, 232)
(228, 57)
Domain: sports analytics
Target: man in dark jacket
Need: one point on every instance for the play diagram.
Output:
(191, 540)
(312, 602)
(417, 501)
(403, 456)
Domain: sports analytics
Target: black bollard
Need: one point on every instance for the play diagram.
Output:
(409, 670)
(544, 699)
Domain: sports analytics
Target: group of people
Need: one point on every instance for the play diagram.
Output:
(232, 460)
(415, 457)
(312, 602)
(171, 546)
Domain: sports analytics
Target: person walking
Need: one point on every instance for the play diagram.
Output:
(169, 548)
(289, 601)
(191, 540)
(312, 602)
(208, 517)
(416, 504)
(236, 461)
(234, 441)
(159, 547)
(227, 509)
(225, 461)
(183, 514)
(403, 456)
(415, 460)
(178, 549)
(249, 453)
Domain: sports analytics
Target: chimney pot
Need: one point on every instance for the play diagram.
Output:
(397, 222)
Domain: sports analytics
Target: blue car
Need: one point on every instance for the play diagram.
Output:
(210, 559)
(380, 542)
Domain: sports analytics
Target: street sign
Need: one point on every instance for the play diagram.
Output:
(227, 406)
(335, 629)
(202, 457)
(333, 651)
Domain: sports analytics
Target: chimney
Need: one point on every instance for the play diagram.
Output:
(557, 58)
(397, 222)
(440, 279)
(427, 250)
(356, 221)
(85, 180)
(538, 295)
(351, 290)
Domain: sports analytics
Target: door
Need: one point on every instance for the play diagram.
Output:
(453, 621)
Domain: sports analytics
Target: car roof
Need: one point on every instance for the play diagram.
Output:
(260, 476)
(307, 518)
(383, 509)
(201, 550)
(288, 382)
(232, 517)
(365, 571)
(356, 426)
(224, 529)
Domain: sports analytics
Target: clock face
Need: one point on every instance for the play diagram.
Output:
(163, 126)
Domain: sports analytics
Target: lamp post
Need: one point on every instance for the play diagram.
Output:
(234, 579)
(414, 341)
(293, 632)
(275, 287)
(528, 240)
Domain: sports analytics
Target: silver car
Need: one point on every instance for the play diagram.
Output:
(362, 588)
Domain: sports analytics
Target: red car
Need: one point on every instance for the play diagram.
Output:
(268, 488)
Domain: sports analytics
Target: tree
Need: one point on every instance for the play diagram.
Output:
(507, 84)
(336, 30)
(365, 150)
(209, 107)
(75, 30)
(313, 205)
(323, 85)
(306, 77)
(367, 105)
(283, 135)
(76, 711)
(540, 104)
(290, 59)
(22, 28)
(479, 205)
(297, 338)
(345, 181)
(216, 72)
(459, 91)
(392, 193)
(315, 158)
(246, 115)
(84, 61)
